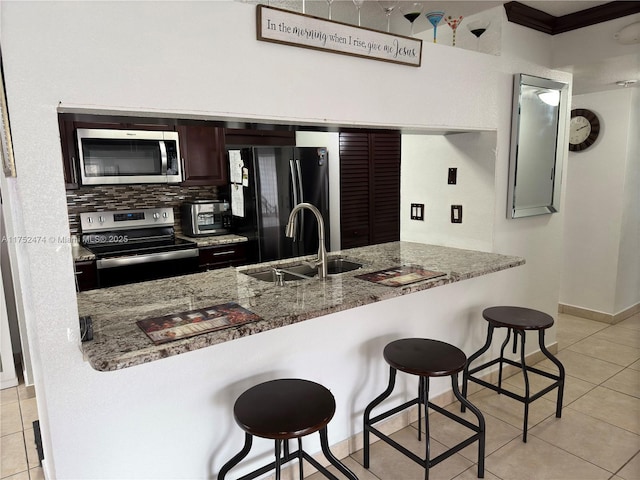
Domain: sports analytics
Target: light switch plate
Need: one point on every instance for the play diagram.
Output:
(456, 213)
(417, 211)
(453, 176)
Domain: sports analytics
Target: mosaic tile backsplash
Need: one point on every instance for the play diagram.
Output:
(126, 197)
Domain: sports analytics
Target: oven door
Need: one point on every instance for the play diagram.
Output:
(128, 156)
(140, 268)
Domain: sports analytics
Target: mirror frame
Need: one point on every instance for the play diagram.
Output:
(520, 80)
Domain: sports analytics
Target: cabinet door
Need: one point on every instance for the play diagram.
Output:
(369, 187)
(203, 155)
(67, 143)
(86, 275)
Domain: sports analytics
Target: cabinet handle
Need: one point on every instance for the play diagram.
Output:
(226, 252)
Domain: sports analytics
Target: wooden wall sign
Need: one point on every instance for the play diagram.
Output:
(291, 28)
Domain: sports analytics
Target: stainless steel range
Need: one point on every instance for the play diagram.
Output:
(136, 245)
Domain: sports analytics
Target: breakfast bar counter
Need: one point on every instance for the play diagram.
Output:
(119, 342)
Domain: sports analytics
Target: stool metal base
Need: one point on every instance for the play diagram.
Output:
(422, 399)
(527, 398)
(287, 456)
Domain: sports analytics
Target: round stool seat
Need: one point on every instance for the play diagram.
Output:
(283, 409)
(425, 357)
(519, 318)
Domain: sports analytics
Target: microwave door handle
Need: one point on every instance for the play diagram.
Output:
(163, 157)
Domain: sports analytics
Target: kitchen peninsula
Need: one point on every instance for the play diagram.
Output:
(119, 342)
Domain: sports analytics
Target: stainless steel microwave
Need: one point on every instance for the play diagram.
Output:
(128, 156)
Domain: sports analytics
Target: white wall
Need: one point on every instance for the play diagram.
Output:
(172, 418)
(601, 270)
(425, 165)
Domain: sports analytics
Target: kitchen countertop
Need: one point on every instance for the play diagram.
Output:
(81, 254)
(119, 343)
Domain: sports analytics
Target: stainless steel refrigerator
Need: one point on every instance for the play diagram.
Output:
(278, 179)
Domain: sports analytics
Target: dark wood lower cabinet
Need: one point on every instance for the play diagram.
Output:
(220, 256)
(369, 187)
(86, 275)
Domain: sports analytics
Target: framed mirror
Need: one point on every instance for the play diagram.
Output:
(537, 145)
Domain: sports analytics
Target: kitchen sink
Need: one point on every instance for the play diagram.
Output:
(303, 271)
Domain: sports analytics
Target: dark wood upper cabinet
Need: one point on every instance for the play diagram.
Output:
(369, 187)
(203, 155)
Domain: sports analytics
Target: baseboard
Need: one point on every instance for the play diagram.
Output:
(599, 316)
(405, 418)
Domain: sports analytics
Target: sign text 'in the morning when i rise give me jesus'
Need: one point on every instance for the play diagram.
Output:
(394, 48)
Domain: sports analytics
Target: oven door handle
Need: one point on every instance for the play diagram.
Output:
(151, 257)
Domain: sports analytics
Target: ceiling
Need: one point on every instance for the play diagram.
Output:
(589, 74)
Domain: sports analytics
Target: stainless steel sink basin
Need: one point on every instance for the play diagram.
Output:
(303, 271)
(341, 265)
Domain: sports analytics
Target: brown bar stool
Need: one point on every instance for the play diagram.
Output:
(282, 410)
(425, 358)
(517, 320)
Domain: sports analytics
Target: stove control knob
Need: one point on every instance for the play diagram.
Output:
(156, 215)
(165, 215)
(90, 219)
(101, 219)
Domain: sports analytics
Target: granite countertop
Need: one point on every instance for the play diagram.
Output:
(81, 254)
(119, 343)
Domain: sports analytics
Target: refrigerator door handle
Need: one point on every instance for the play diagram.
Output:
(294, 183)
(301, 196)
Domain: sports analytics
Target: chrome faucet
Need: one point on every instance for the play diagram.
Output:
(290, 231)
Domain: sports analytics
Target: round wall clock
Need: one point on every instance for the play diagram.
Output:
(583, 129)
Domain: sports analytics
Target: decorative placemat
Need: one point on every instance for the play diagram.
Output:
(400, 276)
(195, 322)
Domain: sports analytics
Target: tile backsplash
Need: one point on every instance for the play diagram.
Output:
(126, 197)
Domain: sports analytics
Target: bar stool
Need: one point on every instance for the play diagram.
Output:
(517, 320)
(425, 358)
(282, 410)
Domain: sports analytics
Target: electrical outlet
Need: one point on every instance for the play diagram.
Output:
(456, 213)
(417, 211)
(453, 176)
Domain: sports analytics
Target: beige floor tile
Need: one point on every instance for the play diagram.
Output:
(8, 395)
(627, 381)
(359, 471)
(14, 457)
(25, 392)
(570, 329)
(388, 463)
(635, 365)
(621, 335)
(450, 433)
(18, 476)
(584, 367)
(36, 474)
(538, 460)
(612, 407)
(512, 411)
(30, 445)
(632, 323)
(607, 351)
(598, 442)
(472, 474)
(11, 420)
(631, 471)
(29, 411)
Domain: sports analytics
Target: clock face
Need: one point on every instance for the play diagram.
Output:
(579, 130)
(583, 129)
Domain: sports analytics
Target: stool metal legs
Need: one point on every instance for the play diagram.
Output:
(423, 399)
(287, 456)
(527, 398)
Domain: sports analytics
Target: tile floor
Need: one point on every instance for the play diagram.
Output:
(598, 436)
(19, 457)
